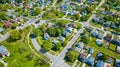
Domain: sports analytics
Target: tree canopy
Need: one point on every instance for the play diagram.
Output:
(71, 56)
(14, 35)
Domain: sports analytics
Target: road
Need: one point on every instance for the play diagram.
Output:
(29, 22)
(72, 41)
(38, 48)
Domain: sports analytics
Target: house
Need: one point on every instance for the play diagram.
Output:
(117, 63)
(113, 25)
(109, 60)
(69, 29)
(99, 63)
(107, 65)
(91, 50)
(46, 36)
(72, 25)
(95, 33)
(116, 41)
(99, 42)
(89, 29)
(7, 24)
(82, 57)
(108, 38)
(86, 48)
(54, 41)
(61, 38)
(65, 34)
(118, 49)
(90, 61)
(79, 46)
(3, 51)
(107, 24)
(99, 55)
(100, 36)
(1, 29)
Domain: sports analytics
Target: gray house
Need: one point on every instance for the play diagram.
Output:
(3, 51)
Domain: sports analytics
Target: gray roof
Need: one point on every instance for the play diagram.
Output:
(3, 50)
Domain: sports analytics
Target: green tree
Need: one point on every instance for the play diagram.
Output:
(14, 26)
(76, 17)
(36, 31)
(71, 56)
(47, 46)
(14, 35)
(57, 46)
(3, 16)
(78, 25)
(64, 43)
(85, 39)
(58, 32)
(51, 31)
(37, 11)
(62, 23)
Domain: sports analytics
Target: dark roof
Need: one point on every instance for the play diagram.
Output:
(117, 63)
(108, 38)
(116, 41)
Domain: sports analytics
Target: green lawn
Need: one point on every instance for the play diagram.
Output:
(112, 47)
(20, 53)
(103, 50)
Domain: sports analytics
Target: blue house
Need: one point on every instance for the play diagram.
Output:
(91, 51)
(99, 55)
(107, 24)
(46, 36)
(99, 43)
(95, 33)
(3, 51)
(100, 63)
(80, 45)
(113, 25)
(100, 36)
(65, 33)
(69, 29)
(1, 29)
(117, 63)
(90, 61)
